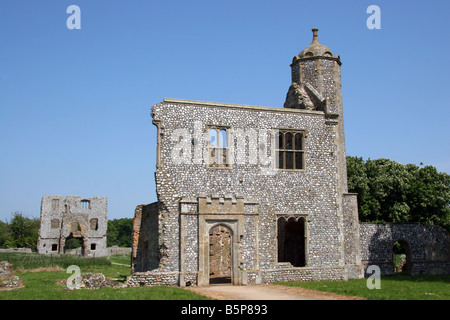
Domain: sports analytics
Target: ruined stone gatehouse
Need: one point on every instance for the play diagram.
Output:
(73, 217)
(250, 194)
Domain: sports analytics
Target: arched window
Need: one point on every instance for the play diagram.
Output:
(291, 241)
(218, 147)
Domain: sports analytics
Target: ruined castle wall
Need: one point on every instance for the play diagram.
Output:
(62, 218)
(428, 247)
(145, 239)
(352, 250)
(312, 193)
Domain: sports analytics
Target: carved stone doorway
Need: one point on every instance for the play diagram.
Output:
(220, 257)
(234, 227)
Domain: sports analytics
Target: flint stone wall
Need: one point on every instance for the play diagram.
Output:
(7, 278)
(313, 193)
(62, 218)
(428, 247)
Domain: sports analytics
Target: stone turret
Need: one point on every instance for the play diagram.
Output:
(316, 85)
(316, 79)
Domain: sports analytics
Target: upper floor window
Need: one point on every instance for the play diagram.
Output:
(55, 204)
(55, 224)
(94, 224)
(290, 149)
(218, 147)
(85, 204)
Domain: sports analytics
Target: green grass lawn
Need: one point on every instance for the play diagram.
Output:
(393, 287)
(44, 285)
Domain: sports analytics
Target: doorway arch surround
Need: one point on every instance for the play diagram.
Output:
(220, 253)
(235, 223)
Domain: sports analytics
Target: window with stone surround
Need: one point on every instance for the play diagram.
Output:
(85, 204)
(290, 149)
(218, 147)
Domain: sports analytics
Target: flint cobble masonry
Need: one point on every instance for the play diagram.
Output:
(73, 217)
(275, 179)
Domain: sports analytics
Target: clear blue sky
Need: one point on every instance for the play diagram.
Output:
(75, 104)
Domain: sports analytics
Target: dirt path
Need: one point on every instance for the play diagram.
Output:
(265, 292)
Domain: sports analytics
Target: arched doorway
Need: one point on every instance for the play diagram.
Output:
(74, 242)
(291, 241)
(220, 257)
(75, 239)
(401, 255)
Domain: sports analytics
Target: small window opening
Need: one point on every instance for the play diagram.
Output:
(93, 246)
(85, 204)
(54, 247)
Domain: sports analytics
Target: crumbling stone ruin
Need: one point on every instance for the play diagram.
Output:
(92, 281)
(73, 217)
(250, 194)
(7, 278)
(427, 247)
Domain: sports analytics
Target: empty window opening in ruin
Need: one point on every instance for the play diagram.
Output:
(54, 247)
(93, 246)
(291, 241)
(220, 260)
(54, 223)
(218, 147)
(85, 204)
(290, 149)
(94, 224)
(55, 204)
(401, 256)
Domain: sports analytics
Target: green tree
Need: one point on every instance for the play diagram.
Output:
(392, 192)
(4, 233)
(429, 196)
(24, 232)
(120, 232)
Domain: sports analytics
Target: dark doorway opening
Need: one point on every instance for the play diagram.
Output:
(72, 243)
(402, 257)
(291, 241)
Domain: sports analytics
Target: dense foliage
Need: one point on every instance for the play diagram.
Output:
(20, 232)
(119, 232)
(392, 192)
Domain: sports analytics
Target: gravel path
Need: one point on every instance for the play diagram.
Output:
(265, 292)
